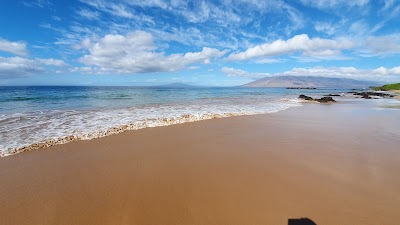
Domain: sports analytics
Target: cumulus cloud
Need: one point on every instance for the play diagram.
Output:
(136, 53)
(299, 43)
(18, 66)
(232, 72)
(16, 48)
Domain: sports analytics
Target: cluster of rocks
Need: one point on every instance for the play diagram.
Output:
(363, 94)
(320, 100)
(368, 94)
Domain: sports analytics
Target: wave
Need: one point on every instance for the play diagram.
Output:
(59, 127)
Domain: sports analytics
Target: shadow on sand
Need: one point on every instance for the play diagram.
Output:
(301, 221)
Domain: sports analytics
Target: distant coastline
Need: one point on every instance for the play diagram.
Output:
(309, 82)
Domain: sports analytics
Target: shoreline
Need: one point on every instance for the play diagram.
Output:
(186, 118)
(306, 161)
(151, 122)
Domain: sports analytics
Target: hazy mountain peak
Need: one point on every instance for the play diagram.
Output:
(309, 81)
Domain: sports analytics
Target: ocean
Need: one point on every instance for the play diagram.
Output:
(37, 117)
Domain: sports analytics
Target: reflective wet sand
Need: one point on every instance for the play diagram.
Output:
(336, 164)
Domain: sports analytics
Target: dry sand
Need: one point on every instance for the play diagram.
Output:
(337, 164)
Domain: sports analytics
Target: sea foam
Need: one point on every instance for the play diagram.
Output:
(22, 132)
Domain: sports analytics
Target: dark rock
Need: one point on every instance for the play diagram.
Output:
(321, 100)
(305, 97)
(333, 95)
(301, 221)
(367, 94)
(325, 100)
(364, 95)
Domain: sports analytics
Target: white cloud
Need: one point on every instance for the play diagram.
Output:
(224, 13)
(154, 3)
(328, 4)
(218, 24)
(253, 7)
(37, 3)
(199, 12)
(18, 66)
(295, 17)
(116, 9)
(268, 61)
(232, 72)
(378, 74)
(17, 48)
(192, 36)
(51, 62)
(325, 27)
(388, 4)
(88, 14)
(299, 43)
(136, 53)
(359, 28)
(56, 18)
(381, 45)
(322, 57)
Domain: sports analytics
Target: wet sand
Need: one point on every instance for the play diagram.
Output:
(398, 94)
(335, 163)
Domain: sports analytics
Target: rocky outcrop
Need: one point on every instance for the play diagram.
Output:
(325, 100)
(320, 100)
(307, 98)
(368, 94)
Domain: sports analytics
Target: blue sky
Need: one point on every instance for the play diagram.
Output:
(220, 42)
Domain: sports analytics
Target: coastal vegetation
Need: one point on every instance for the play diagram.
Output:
(388, 87)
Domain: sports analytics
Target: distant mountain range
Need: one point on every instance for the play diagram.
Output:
(308, 81)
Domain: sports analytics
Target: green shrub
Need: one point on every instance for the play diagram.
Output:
(387, 87)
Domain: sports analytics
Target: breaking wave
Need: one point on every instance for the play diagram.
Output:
(22, 132)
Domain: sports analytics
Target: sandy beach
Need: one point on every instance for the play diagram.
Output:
(334, 163)
(398, 94)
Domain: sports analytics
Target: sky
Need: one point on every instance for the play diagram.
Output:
(198, 42)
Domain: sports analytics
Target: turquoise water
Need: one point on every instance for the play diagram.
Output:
(28, 99)
(54, 115)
